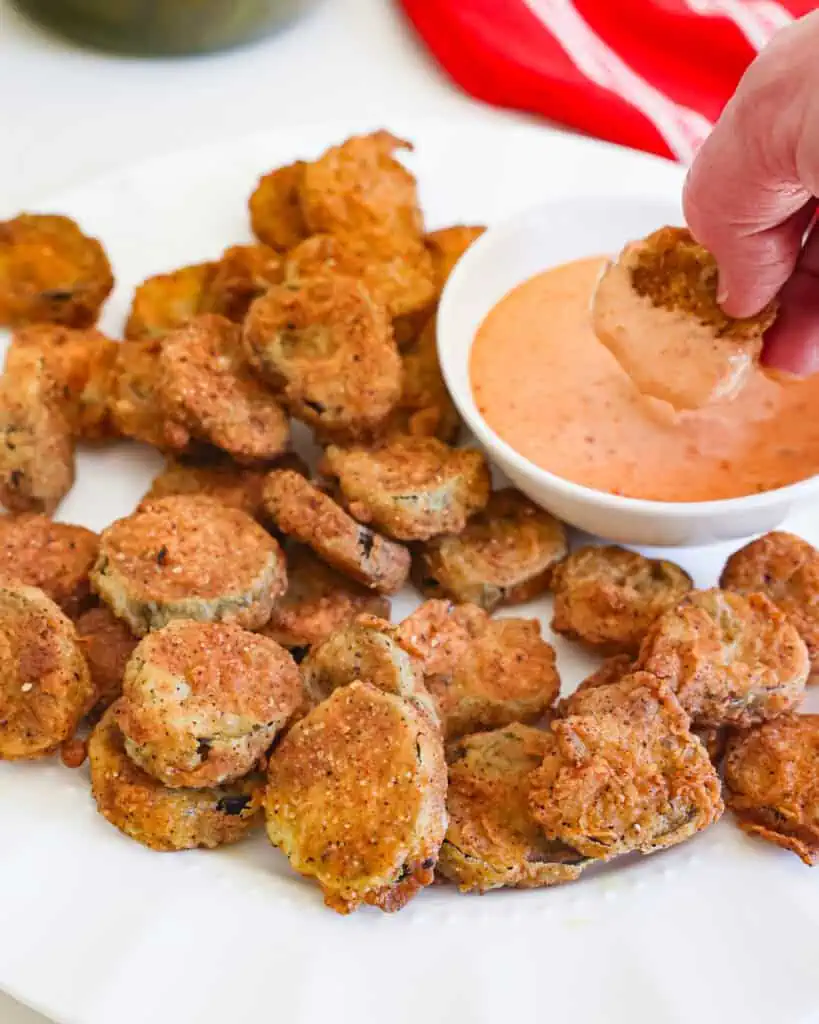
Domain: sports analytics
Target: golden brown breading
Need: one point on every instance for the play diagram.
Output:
(201, 702)
(164, 302)
(411, 488)
(56, 557)
(607, 597)
(356, 798)
(785, 569)
(504, 556)
(223, 480)
(492, 839)
(161, 818)
(135, 408)
(623, 773)
(107, 644)
(45, 686)
(482, 673)
(50, 272)
(81, 364)
(731, 660)
(243, 273)
(359, 188)
(301, 511)
(447, 245)
(328, 351)
(189, 557)
(318, 602)
(208, 392)
(36, 447)
(772, 783)
(275, 207)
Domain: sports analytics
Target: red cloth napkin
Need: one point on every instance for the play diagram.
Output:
(651, 74)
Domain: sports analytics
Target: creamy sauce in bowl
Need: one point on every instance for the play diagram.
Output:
(545, 383)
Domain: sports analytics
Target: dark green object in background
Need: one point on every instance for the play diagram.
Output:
(164, 27)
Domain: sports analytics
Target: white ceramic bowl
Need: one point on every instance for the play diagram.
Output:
(506, 255)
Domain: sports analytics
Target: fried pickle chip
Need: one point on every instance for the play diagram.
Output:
(56, 557)
(202, 701)
(656, 309)
(731, 660)
(45, 686)
(301, 511)
(447, 245)
(319, 601)
(607, 597)
(482, 673)
(356, 798)
(772, 783)
(504, 556)
(209, 392)
(161, 818)
(275, 208)
(492, 839)
(81, 364)
(785, 569)
(36, 447)
(359, 188)
(623, 773)
(243, 273)
(165, 302)
(221, 479)
(188, 557)
(107, 644)
(50, 272)
(328, 351)
(412, 488)
(135, 407)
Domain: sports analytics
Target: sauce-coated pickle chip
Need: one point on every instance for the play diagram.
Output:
(50, 272)
(356, 798)
(504, 556)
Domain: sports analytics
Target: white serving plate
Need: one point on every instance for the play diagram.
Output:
(94, 929)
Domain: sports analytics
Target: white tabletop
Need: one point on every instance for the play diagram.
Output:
(68, 113)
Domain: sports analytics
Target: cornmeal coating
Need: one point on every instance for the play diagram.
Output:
(165, 302)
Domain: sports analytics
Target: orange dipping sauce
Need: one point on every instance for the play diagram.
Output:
(546, 385)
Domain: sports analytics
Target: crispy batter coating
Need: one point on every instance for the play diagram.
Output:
(301, 511)
(36, 447)
(772, 783)
(188, 557)
(201, 702)
(107, 644)
(482, 673)
(785, 569)
(135, 407)
(731, 660)
(45, 686)
(607, 597)
(356, 798)
(161, 818)
(504, 556)
(623, 773)
(164, 302)
(492, 839)
(319, 601)
(56, 557)
(50, 272)
(359, 188)
(447, 245)
(209, 392)
(275, 207)
(81, 363)
(328, 351)
(412, 488)
(243, 273)
(368, 649)
(223, 480)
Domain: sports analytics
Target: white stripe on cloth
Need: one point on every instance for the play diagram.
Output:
(684, 130)
(757, 20)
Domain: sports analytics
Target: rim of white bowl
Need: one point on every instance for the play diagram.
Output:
(452, 367)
